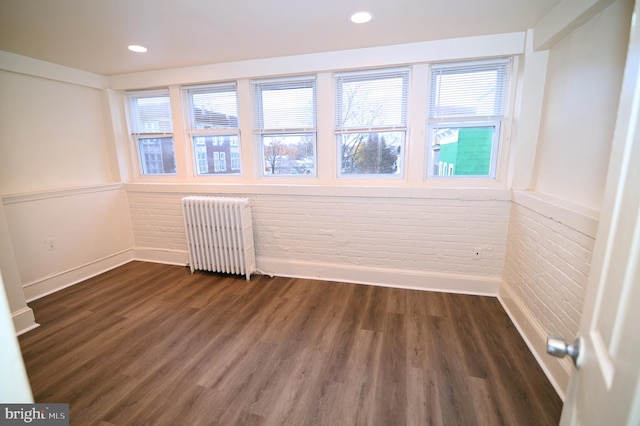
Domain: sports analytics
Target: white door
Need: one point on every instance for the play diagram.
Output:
(14, 384)
(605, 390)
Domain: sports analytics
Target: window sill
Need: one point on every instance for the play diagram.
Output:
(418, 192)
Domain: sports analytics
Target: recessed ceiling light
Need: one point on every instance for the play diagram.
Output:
(361, 17)
(136, 48)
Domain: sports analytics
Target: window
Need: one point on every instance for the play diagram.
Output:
(371, 121)
(285, 125)
(151, 126)
(213, 128)
(466, 111)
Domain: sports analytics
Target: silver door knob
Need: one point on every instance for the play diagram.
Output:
(558, 347)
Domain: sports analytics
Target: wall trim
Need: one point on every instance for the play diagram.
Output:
(156, 255)
(25, 197)
(565, 18)
(36, 68)
(385, 277)
(556, 370)
(580, 218)
(55, 282)
(24, 320)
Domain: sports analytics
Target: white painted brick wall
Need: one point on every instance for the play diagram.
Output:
(157, 221)
(438, 235)
(546, 269)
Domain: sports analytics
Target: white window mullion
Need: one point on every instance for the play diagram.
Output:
(326, 141)
(247, 158)
(180, 145)
(415, 150)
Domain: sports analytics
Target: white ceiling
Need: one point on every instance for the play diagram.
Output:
(93, 35)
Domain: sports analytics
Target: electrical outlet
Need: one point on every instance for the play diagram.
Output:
(50, 243)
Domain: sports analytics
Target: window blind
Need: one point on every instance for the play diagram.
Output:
(371, 99)
(468, 90)
(150, 112)
(212, 107)
(285, 105)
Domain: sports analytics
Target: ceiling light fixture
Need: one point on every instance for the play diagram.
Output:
(138, 49)
(361, 17)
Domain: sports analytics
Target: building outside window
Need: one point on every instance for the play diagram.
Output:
(214, 128)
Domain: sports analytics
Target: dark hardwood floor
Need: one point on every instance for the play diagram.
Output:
(152, 344)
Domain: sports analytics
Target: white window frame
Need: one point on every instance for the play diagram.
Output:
(214, 132)
(260, 132)
(143, 131)
(469, 121)
(402, 127)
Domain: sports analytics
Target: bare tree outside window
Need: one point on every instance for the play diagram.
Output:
(371, 122)
(289, 155)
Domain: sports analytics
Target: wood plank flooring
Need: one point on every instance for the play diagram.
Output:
(153, 344)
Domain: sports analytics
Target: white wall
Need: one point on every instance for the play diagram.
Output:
(58, 178)
(552, 226)
(91, 231)
(41, 123)
(415, 239)
(547, 263)
(583, 84)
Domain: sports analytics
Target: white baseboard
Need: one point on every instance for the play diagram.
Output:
(409, 279)
(556, 370)
(155, 255)
(24, 320)
(55, 282)
(387, 277)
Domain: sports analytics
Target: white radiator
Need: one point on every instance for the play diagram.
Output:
(219, 234)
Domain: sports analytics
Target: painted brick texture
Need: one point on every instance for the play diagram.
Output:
(437, 235)
(157, 221)
(546, 269)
